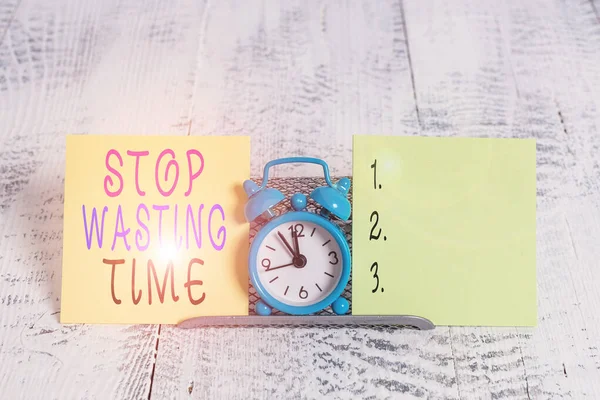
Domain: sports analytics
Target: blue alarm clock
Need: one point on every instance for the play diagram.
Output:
(299, 261)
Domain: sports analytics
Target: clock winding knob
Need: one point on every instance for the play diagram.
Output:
(298, 202)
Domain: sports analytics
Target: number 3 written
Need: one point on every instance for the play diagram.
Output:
(376, 266)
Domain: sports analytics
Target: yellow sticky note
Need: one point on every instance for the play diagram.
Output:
(445, 228)
(154, 228)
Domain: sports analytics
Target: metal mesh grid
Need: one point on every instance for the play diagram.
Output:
(299, 322)
(325, 318)
(289, 186)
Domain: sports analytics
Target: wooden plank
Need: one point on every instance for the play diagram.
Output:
(596, 8)
(299, 363)
(290, 76)
(463, 78)
(465, 87)
(502, 71)
(562, 359)
(77, 67)
(8, 9)
(301, 80)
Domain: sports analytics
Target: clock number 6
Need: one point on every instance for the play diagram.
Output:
(303, 293)
(376, 266)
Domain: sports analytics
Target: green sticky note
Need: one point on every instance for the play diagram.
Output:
(445, 228)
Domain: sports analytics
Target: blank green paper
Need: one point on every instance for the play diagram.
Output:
(445, 228)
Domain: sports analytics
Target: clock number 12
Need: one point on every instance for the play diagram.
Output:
(298, 228)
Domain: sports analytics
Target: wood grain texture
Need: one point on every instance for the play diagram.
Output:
(596, 8)
(76, 67)
(304, 363)
(8, 9)
(516, 77)
(569, 332)
(300, 79)
(465, 86)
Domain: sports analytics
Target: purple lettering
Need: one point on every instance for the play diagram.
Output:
(138, 234)
(177, 242)
(94, 222)
(160, 209)
(221, 229)
(120, 232)
(197, 235)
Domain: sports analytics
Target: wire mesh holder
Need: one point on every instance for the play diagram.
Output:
(324, 318)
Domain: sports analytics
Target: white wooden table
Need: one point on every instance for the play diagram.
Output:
(300, 78)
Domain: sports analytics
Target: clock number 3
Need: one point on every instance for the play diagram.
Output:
(335, 258)
(376, 266)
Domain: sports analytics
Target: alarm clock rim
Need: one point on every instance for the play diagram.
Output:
(339, 238)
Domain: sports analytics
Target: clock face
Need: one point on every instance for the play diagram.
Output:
(301, 269)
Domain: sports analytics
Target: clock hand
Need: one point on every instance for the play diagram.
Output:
(281, 266)
(295, 236)
(287, 244)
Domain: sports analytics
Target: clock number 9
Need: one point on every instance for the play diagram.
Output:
(376, 266)
(302, 293)
(266, 263)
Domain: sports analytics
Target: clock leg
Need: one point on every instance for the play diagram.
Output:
(262, 308)
(340, 306)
